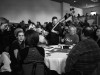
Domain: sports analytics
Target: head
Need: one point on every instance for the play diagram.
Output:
(38, 23)
(72, 30)
(45, 24)
(54, 20)
(32, 26)
(3, 24)
(98, 32)
(19, 34)
(32, 38)
(87, 32)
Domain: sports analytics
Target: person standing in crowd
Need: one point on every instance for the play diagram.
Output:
(83, 59)
(15, 49)
(54, 34)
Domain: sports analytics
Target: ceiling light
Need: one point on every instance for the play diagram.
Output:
(94, 0)
(93, 13)
(74, 1)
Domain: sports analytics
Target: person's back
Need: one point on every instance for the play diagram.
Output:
(89, 57)
(34, 54)
(32, 57)
(84, 57)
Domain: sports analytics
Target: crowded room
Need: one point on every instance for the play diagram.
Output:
(49, 37)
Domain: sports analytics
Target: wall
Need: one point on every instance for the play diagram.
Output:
(97, 9)
(36, 10)
(88, 10)
(67, 9)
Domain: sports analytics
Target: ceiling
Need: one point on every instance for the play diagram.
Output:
(81, 3)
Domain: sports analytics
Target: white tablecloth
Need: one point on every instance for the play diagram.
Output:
(57, 62)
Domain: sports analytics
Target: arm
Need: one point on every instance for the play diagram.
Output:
(57, 30)
(53, 31)
(72, 58)
(77, 39)
(15, 53)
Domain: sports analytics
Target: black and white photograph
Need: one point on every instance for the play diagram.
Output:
(49, 37)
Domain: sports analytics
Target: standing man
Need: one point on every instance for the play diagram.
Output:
(54, 34)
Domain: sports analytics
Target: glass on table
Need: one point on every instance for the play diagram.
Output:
(48, 54)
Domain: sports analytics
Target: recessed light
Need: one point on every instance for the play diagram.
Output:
(74, 1)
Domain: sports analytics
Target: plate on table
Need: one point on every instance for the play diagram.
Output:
(47, 53)
(48, 48)
(54, 46)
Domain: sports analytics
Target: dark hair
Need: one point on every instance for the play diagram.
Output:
(32, 38)
(88, 31)
(54, 18)
(3, 20)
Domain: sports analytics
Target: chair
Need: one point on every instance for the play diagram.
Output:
(39, 68)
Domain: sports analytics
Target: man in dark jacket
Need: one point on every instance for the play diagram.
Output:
(84, 57)
(54, 34)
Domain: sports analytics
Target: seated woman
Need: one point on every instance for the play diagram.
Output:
(32, 53)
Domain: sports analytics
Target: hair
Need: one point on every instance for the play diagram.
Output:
(54, 18)
(96, 30)
(17, 31)
(3, 20)
(70, 27)
(88, 31)
(32, 38)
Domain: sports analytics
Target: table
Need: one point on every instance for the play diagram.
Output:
(56, 61)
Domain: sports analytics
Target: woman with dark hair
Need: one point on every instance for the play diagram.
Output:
(32, 54)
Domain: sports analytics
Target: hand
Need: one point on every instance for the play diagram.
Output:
(54, 31)
(62, 40)
(45, 32)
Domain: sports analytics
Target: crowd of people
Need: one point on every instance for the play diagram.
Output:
(23, 45)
